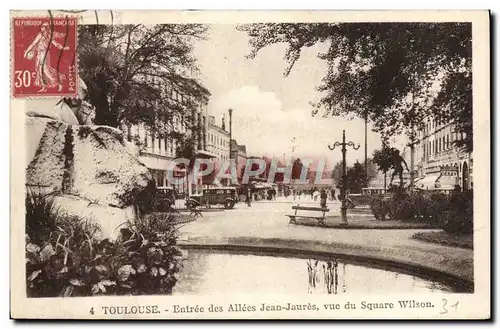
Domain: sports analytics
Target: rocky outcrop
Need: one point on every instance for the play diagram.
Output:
(50, 109)
(91, 162)
(95, 170)
(109, 219)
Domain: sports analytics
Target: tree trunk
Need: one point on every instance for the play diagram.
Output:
(385, 181)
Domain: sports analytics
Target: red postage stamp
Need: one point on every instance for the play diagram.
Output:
(44, 56)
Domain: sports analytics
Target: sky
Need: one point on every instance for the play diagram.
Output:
(270, 110)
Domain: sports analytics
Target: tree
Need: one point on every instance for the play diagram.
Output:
(356, 178)
(383, 158)
(337, 175)
(355, 175)
(386, 71)
(128, 68)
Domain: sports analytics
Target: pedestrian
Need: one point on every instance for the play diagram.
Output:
(323, 198)
(333, 194)
(249, 196)
(316, 194)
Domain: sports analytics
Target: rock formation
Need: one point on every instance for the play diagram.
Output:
(95, 171)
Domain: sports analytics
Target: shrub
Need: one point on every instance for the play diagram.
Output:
(380, 207)
(459, 217)
(41, 215)
(453, 213)
(73, 262)
(144, 201)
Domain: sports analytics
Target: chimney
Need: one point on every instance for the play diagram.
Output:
(223, 123)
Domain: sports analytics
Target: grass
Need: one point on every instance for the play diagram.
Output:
(465, 241)
(363, 222)
(181, 218)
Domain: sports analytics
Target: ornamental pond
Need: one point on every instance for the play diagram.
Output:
(207, 271)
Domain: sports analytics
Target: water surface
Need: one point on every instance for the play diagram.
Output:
(206, 272)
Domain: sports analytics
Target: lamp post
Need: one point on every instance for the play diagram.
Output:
(366, 148)
(230, 134)
(230, 130)
(343, 207)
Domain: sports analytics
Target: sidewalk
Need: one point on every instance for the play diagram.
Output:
(267, 227)
(301, 200)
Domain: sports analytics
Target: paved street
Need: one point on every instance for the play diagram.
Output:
(265, 224)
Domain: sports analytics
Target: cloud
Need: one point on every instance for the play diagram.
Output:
(266, 128)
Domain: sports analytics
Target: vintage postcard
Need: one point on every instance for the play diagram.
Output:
(250, 165)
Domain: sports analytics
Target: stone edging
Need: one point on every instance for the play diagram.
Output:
(364, 255)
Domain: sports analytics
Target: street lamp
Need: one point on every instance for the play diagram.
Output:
(230, 130)
(230, 135)
(343, 207)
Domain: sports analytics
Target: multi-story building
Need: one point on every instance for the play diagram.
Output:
(186, 122)
(239, 155)
(218, 139)
(439, 164)
(217, 144)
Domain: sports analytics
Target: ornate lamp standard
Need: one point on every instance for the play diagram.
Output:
(343, 207)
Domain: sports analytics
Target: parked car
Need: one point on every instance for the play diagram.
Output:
(164, 198)
(226, 196)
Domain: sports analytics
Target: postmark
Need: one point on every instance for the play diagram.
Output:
(44, 58)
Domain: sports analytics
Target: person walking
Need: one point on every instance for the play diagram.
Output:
(249, 196)
(323, 198)
(316, 194)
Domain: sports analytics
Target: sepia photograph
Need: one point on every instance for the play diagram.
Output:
(190, 157)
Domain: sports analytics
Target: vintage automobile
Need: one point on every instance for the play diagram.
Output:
(213, 196)
(164, 198)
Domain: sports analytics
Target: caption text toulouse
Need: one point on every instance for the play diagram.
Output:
(212, 308)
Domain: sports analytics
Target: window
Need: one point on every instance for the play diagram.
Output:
(159, 144)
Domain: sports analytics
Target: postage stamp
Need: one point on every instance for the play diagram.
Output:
(44, 59)
(251, 165)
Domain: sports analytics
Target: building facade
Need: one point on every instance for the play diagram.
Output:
(217, 138)
(438, 163)
(187, 122)
(239, 154)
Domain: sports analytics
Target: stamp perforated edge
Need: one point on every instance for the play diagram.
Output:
(77, 64)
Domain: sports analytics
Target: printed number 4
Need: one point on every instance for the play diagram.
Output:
(91, 311)
(445, 310)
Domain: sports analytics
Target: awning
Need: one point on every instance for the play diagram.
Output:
(427, 182)
(446, 182)
(263, 185)
(154, 162)
(205, 154)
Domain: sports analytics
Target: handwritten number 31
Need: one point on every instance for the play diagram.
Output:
(445, 303)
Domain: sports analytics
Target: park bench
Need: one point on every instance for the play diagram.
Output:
(319, 219)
